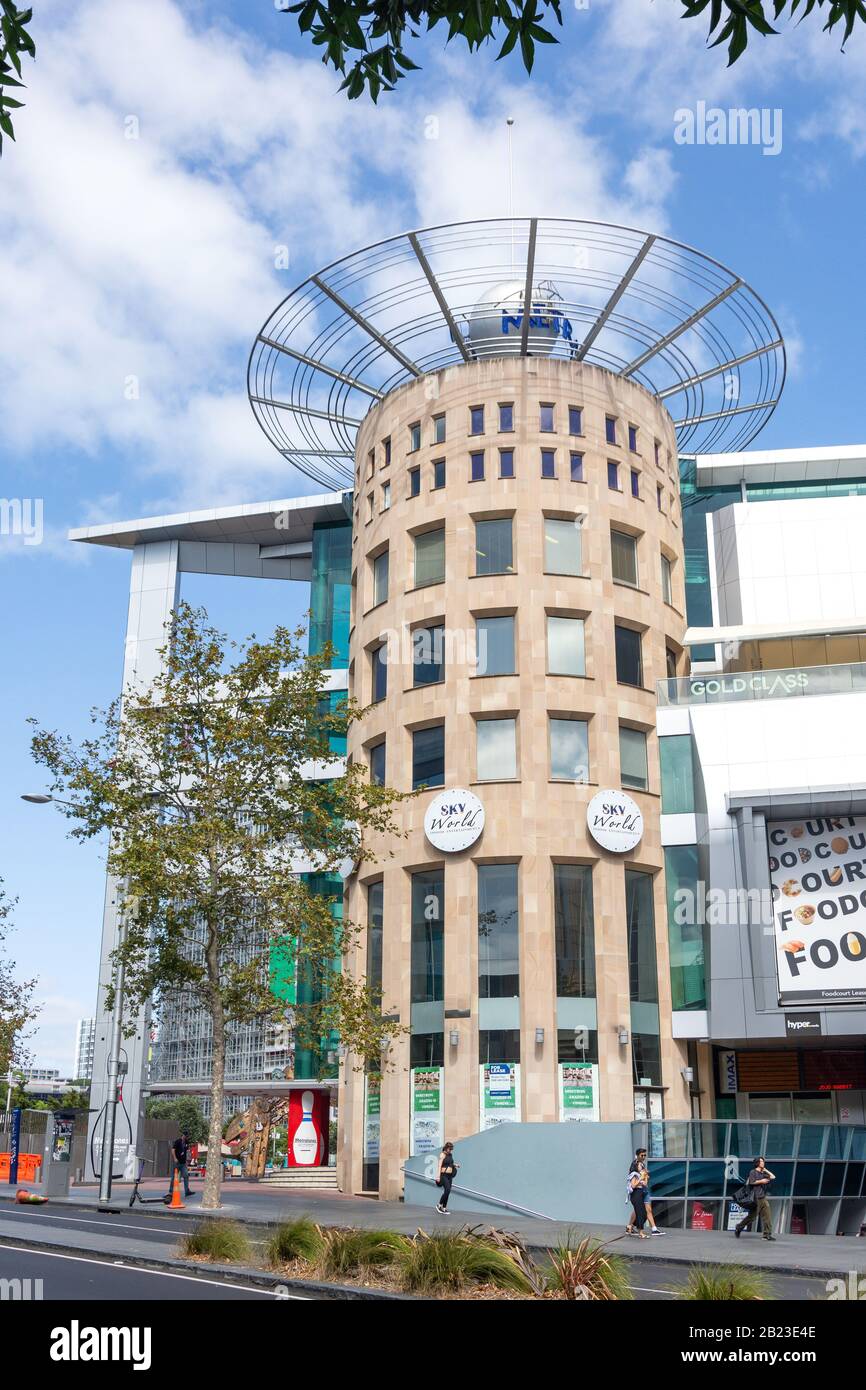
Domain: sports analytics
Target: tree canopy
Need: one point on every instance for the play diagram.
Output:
(223, 847)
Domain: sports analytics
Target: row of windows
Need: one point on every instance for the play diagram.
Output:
(497, 757)
(494, 554)
(479, 419)
(498, 927)
(505, 468)
(493, 652)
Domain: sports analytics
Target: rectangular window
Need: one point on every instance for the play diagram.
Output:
(569, 749)
(371, 463)
(635, 483)
(660, 497)
(476, 467)
(438, 473)
(670, 662)
(438, 429)
(415, 437)
(623, 550)
(428, 757)
(414, 482)
(565, 647)
(640, 927)
(428, 937)
(678, 776)
(371, 506)
(610, 429)
(506, 417)
(430, 557)
(377, 764)
(386, 446)
(632, 438)
(379, 664)
(575, 933)
(506, 463)
(576, 461)
(629, 666)
(685, 938)
(658, 458)
(493, 547)
(575, 419)
(548, 463)
(498, 1045)
(667, 580)
(428, 655)
(496, 749)
(375, 918)
(476, 419)
(545, 421)
(380, 578)
(386, 496)
(498, 932)
(494, 640)
(632, 758)
(613, 475)
(562, 546)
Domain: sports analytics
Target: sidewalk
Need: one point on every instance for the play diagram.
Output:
(250, 1202)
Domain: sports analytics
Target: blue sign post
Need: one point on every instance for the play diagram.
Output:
(15, 1145)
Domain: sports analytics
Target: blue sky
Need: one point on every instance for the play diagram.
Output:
(150, 261)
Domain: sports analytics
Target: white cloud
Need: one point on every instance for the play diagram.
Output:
(137, 270)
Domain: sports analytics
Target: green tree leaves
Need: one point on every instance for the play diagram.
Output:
(14, 41)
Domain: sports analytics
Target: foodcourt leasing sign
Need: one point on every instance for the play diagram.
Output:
(818, 878)
(614, 821)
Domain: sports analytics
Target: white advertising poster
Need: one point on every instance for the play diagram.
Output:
(427, 1129)
(500, 1093)
(372, 1117)
(578, 1091)
(818, 878)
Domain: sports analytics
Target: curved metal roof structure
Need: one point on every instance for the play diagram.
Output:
(642, 306)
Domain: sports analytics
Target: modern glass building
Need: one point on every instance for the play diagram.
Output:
(610, 663)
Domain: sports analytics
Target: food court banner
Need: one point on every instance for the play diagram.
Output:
(578, 1091)
(500, 1093)
(818, 878)
(428, 1111)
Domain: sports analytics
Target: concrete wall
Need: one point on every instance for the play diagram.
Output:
(567, 1172)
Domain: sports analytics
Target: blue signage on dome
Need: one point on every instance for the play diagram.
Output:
(560, 325)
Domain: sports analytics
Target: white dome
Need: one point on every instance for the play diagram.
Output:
(496, 321)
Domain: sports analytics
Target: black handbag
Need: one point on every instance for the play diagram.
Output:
(744, 1196)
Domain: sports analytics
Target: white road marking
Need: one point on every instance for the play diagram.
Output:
(161, 1273)
(89, 1221)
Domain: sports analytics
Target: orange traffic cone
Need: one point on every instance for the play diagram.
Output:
(175, 1204)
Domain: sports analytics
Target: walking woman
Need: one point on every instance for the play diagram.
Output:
(637, 1190)
(445, 1176)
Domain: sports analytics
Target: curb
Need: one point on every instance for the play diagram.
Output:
(663, 1257)
(235, 1274)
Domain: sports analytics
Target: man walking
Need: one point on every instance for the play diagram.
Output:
(759, 1183)
(180, 1161)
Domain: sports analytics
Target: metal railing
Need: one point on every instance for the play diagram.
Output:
(785, 683)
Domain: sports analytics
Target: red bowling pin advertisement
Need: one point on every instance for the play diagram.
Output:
(308, 1129)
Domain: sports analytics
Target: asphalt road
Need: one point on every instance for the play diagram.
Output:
(156, 1234)
(82, 1279)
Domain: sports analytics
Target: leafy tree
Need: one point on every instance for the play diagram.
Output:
(198, 781)
(367, 41)
(17, 1009)
(186, 1113)
(14, 41)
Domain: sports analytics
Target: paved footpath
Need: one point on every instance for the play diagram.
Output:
(134, 1231)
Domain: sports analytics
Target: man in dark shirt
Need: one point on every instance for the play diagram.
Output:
(180, 1161)
(759, 1181)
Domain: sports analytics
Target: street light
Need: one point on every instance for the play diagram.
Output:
(109, 1128)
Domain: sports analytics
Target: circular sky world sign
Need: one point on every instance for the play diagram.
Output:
(614, 820)
(454, 820)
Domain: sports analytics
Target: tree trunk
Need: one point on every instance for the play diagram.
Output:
(212, 1191)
